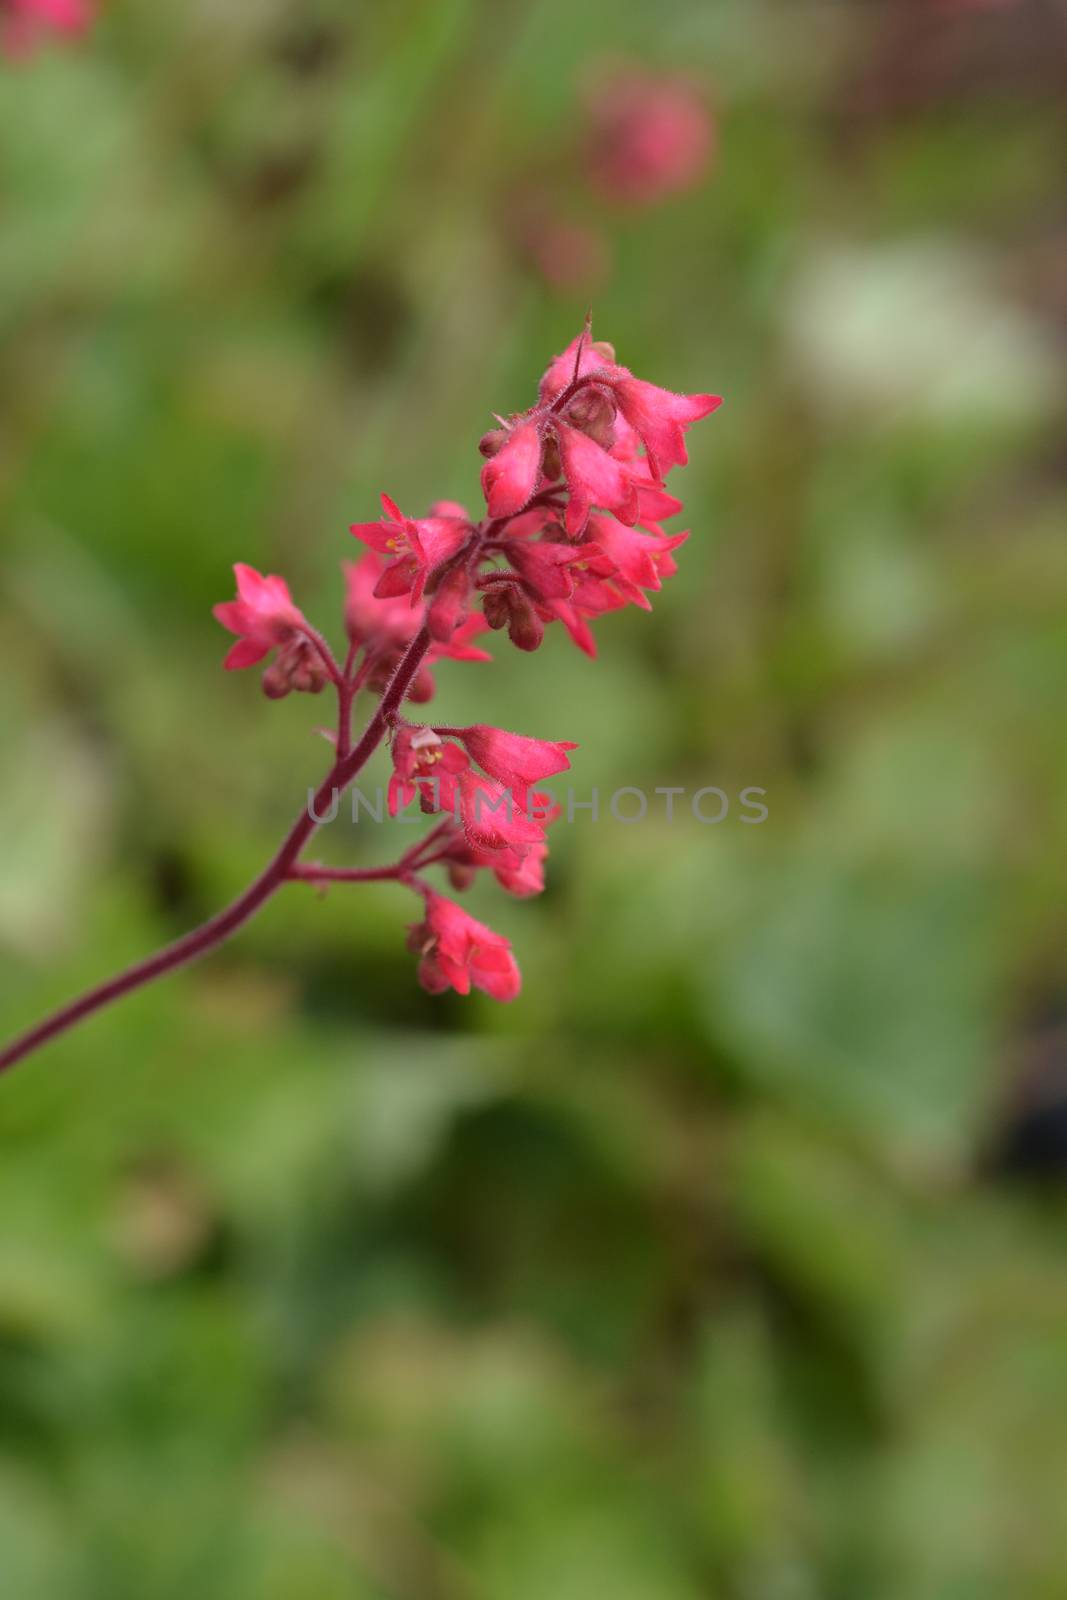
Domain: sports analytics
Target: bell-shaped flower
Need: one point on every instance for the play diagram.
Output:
(510, 476)
(635, 561)
(495, 817)
(458, 952)
(417, 545)
(660, 419)
(263, 616)
(424, 764)
(594, 478)
(514, 759)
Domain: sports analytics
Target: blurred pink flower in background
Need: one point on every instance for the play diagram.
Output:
(24, 24)
(566, 254)
(650, 136)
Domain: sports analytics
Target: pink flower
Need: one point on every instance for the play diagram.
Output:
(386, 625)
(424, 764)
(419, 546)
(521, 873)
(635, 561)
(510, 477)
(24, 24)
(458, 952)
(592, 420)
(263, 616)
(654, 504)
(575, 622)
(654, 417)
(594, 478)
(650, 137)
(494, 817)
(371, 618)
(542, 566)
(660, 418)
(514, 759)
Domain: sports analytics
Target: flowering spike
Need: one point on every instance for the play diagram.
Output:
(575, 502)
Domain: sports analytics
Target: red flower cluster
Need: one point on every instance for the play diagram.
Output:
(575, 498)
(598, 437)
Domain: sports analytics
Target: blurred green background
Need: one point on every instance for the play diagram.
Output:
(730, 1260)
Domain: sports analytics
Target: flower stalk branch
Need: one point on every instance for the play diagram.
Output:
(575, 499)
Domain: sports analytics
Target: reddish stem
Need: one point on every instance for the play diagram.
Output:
(283, 866)
(347, 687)
(310, 873)
(275, 873)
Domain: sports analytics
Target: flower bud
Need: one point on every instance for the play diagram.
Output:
(491, 442)
(449, 604)
(497, 607)
(593, 411)
(550, 462)
(298, 667)
(422, 687)
(274, 683)
(525, 628)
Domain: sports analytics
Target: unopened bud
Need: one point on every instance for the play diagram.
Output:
(525, 628)
(422, 687)
(593, 412)
(297, 666)
(449, 604)
(275, 684)
(491, 442)
(308, 675)
(497, 607)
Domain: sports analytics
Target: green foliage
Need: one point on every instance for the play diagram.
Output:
(685, 1275)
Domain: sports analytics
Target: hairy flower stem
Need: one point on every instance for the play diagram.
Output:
(278, 871)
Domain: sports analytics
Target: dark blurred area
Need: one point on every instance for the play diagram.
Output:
(729, 1260)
